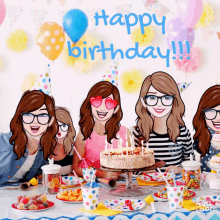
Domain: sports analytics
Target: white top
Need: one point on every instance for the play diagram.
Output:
(24, 168)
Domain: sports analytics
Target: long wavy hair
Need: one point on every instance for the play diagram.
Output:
(210, 99)
(86, 123)
(31, 101)
(63, 116)
(163, 83)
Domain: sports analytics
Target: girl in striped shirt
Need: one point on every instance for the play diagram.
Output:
(160, 110)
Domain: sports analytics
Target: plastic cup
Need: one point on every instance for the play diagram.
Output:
(87, 174)
(175, 196)
(90, 198)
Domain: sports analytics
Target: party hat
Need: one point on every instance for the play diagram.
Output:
(43, 83)
(112, 73)
(183, 85)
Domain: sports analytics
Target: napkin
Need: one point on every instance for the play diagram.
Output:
(190, 205)
(152, 183)
(149, 199)
(102, 210)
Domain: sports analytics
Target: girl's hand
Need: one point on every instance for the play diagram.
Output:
(175, 169)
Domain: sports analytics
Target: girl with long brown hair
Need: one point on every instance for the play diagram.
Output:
(63, 152)
(32, 138)
(159, 121)
(100, 116)
(206, 122)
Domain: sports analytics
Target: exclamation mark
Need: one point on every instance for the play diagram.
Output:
(181, 49)
(188, 49)
(174, 48)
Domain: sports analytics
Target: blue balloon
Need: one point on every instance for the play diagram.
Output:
(75, 23)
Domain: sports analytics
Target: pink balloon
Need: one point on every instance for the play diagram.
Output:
(189, 11)
(2, 11)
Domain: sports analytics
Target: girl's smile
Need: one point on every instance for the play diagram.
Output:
(216, 124)
(158, 110)
(35, 129)
(102, 114)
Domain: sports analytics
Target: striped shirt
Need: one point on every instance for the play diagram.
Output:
(165, 149)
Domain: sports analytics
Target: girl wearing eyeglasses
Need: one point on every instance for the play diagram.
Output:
(32, 138)
(100, 116)
(159, 121)
(206, 122)
(63, 152)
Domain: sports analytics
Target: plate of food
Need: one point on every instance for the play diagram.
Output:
(208, 201)
(32, 202)
(71, 180)
(70, 196)
(124, 205)
(187, 194)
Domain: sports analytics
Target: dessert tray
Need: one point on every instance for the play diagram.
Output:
(131, 190)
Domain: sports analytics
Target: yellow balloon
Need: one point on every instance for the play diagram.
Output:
(51, 40)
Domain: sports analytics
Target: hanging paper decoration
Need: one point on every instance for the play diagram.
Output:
(188, 65)
(207, 17)
(51, 40)
(43, 83)
(29, 82)
(131, 81)
(14, 12)
(123, 9)
(61, 13)
(91, 14)
(38, 16)
(17, 41)
(156, 8)
(143, 39)
(62, 2)
(183, 85)
(112, 73)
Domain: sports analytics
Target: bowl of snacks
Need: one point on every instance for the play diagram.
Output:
(71, 196)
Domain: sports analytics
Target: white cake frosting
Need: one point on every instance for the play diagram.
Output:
(215, 161)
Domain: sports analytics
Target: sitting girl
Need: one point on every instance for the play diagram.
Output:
(63, 152)
(206, 122)
(100, 117)
(159, 122)
(27, 147)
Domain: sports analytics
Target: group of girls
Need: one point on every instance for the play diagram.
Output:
(39, 130)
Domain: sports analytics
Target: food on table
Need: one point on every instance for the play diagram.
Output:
(192, 178)
(163, 193)
(215, 161)
(125, 158)
(31, 202)
(52, 183)
(70, 195)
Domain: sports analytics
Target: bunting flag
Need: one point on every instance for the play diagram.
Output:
(38, 16)
(183, 85)
(62, 2)
(206, 34)
(123, 9)
(91, 14)
(14, 12)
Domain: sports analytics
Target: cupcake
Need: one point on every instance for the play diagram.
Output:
(215, 161)
(215, 142)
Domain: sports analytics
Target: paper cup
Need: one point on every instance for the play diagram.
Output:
(87, 174)
(90, 198)
(175, 196)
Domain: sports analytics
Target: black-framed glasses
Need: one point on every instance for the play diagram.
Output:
(210, 114)
(42, 119)
(152, 100)
(64, 127)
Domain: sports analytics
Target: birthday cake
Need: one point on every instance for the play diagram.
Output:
(215, 161)
(126, 158)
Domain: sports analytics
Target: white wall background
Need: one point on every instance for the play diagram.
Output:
(70, 88)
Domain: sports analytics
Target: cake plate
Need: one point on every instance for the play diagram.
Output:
(205, 186)
(132, 190)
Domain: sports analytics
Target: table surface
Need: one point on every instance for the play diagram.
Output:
(8, 197)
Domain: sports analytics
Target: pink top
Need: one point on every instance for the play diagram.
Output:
(96, 144)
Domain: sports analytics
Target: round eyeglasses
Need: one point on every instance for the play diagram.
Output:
(42, 119)
(152, 100)
(64, 127)
(211, 114)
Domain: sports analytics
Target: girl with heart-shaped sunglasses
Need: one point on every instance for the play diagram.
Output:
(100, 116)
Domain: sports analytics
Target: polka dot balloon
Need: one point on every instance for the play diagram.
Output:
(51, 40)
(112, 73)
(43, 83)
